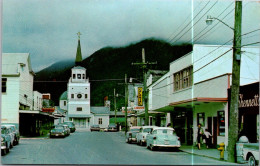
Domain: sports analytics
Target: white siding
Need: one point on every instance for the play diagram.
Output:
(105, 120)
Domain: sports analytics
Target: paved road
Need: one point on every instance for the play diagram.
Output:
(84, 147)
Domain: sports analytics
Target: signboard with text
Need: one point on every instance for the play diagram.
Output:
(140, 96)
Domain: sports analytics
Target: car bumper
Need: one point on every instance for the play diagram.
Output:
(112, 130)
(167, 146)
(132, 139)
(57, 135)
(3, 145)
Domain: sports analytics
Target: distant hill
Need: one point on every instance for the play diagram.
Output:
(107, 66)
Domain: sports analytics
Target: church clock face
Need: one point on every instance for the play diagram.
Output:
(79, 96)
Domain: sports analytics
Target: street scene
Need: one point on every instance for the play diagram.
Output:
(130, 82)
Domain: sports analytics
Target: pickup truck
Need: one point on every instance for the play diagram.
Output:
(247, 152)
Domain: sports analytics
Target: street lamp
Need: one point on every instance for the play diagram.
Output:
(234, 101)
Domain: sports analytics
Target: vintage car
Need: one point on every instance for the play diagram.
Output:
(15, 131)
(141, 136)
(94, 128)
(112, 127)
(58, 131)
(11, 134)
(66, 128)
(162, 137)
(71, 126)
(5, 140)
(131, 134)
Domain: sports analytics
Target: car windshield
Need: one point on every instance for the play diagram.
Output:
(146, 130)
(164, 131)
(70, 124)
(134, 129)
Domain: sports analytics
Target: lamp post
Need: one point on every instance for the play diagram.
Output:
(234, 101)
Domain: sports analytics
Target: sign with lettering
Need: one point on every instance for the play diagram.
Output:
(140, 96)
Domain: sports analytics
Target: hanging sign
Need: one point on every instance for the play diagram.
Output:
(140, 96)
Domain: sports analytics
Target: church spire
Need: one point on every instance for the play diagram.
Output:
(78, 55)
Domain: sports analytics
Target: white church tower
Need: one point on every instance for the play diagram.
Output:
(78, 94)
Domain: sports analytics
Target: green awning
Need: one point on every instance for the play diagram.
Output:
(118, 120)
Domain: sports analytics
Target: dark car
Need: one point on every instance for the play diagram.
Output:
(15, 131)
(71, 126)
(131, 135)
(5, 140)
(94, 128)
(112, 127)
(58, 131)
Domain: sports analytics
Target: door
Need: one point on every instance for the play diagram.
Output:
(210, 128)
(214, 133)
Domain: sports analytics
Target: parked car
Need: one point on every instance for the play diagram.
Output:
(58, 131)
(5, 140)
(162, 137)
(15, 132)
(131, 134)
(141, 136)
(12, 135)
(66, 128)
(94, 128)
(247, 152)
(71, 126)
(112, 127)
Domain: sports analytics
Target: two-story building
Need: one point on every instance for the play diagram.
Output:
(195, 90)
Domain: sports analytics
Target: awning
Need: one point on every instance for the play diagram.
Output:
(79, 116)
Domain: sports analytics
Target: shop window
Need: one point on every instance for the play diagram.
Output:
(72, 96)
(79, 108)
(201, 118)
(221, 123)
(183, 79)
(99, 120)
(79, 76)
(4, 80)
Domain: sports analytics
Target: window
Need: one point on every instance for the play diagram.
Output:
(4, 80)
(79, 76)
(65, 103)
(83, 76)
(99, 120)
(183, 79)
(79, 96)
(74, 76)
(72, 96)
(79, 108)
(201, 118)
(86, 96)
(221, 123)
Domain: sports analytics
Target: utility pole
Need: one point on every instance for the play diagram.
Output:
(126, 102)
(233, 115)
(144, 65)
(115, 103)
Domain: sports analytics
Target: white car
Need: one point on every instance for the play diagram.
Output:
(11, 134)
(162, 137)
(141, 136)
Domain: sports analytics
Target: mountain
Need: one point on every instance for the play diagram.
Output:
(107, 67)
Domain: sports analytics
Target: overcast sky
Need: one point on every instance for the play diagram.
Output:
(47, 28)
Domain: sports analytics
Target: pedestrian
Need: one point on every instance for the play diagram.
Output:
(207, 135)
(199, 135)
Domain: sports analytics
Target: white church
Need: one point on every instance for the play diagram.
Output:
(76, 100)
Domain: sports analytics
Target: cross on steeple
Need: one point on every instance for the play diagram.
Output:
(79, 35)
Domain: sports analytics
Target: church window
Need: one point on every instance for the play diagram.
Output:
(79, 96)
(83, 76)
(99, 120)
(4, 80)
(79, 76)
(86, 96)
(74, 76)
(65, 103)
(79, 108)
(72, 96)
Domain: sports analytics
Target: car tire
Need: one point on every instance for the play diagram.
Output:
(3, 152)
(147, 146)
(11, 145)
(126, 140)
(251, 161)
(7, 148)
(153, 148)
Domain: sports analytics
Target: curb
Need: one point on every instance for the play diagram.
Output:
(34, 138)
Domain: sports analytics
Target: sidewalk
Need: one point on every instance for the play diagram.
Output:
(36, 137)
(211, 152)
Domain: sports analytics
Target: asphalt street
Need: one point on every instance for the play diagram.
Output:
(84, 147)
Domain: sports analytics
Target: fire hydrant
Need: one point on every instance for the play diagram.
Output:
(221, 149)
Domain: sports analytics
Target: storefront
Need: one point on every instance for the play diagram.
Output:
(249, 111)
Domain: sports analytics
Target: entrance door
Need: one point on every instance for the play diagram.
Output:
(215, 128)
(210, 128)
(80, 122)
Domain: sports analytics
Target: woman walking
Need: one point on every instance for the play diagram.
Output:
(199, 134)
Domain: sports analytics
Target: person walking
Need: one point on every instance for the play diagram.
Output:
(199, 135)
(207, 135)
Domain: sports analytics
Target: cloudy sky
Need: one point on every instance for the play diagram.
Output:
(47, 28)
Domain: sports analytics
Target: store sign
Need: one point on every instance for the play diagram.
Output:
(252, 102)
(140, 96)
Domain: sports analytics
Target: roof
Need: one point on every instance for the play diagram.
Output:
(79, 67)
(78, 54)
(59, 110)
(10, 62)
(64, 96)
(99, 110)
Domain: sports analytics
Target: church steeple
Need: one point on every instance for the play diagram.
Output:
(78, 59)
